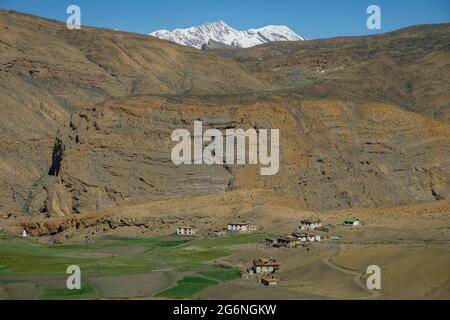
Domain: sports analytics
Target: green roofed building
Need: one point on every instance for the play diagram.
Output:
(351, 221)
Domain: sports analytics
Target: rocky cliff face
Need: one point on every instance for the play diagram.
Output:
(86, 117)
(334, 154)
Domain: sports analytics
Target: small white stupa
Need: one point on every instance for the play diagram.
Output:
(24, 233)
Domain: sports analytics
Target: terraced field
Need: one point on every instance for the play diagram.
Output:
(116, 267)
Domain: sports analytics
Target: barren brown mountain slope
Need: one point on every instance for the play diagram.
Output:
(408, 68)
(47, 72)
(363, 121)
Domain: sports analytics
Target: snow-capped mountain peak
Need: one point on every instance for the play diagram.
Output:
(220, 32)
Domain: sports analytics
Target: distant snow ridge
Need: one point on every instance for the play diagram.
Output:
(220, 32)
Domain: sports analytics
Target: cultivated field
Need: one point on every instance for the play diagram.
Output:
(115, 267)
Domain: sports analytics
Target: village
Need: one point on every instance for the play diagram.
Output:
(265, 269)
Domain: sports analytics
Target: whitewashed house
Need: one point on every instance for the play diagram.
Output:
(310, 224)
(186, 231)
(240, 227)
(301, 236)
(264, 266)
(24, 233)
(307, 237)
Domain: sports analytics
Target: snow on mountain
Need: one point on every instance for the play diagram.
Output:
(220, 32)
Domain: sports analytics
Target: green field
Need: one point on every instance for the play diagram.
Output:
(187, 287)
(87, 291)
(222, 273)
(190, 261)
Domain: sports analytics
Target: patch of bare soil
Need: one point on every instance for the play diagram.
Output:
(21, 291)
(132, 286)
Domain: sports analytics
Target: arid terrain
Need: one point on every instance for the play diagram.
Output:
(86, 118)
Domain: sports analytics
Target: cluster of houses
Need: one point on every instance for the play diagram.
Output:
(232, 227)
(265, 269)
(307, 231)
(293, 241)
(304, 234)
(316, 224)
(310, 224)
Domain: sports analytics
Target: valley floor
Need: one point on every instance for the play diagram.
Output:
(410, 244)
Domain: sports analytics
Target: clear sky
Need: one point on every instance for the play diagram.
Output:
(309, 18)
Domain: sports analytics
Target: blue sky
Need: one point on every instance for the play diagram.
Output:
(311, 19)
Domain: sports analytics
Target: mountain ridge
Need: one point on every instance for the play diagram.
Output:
(220, 32)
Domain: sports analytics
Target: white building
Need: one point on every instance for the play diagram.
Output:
(264, 266)
(240, 227)
(351, 221)
(186, 231)
(307, 237)
(310, 224)
(24, 233)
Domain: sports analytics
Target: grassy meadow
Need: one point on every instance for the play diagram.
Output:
(116, 267)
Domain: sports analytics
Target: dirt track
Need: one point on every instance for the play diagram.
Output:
(357, 276)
